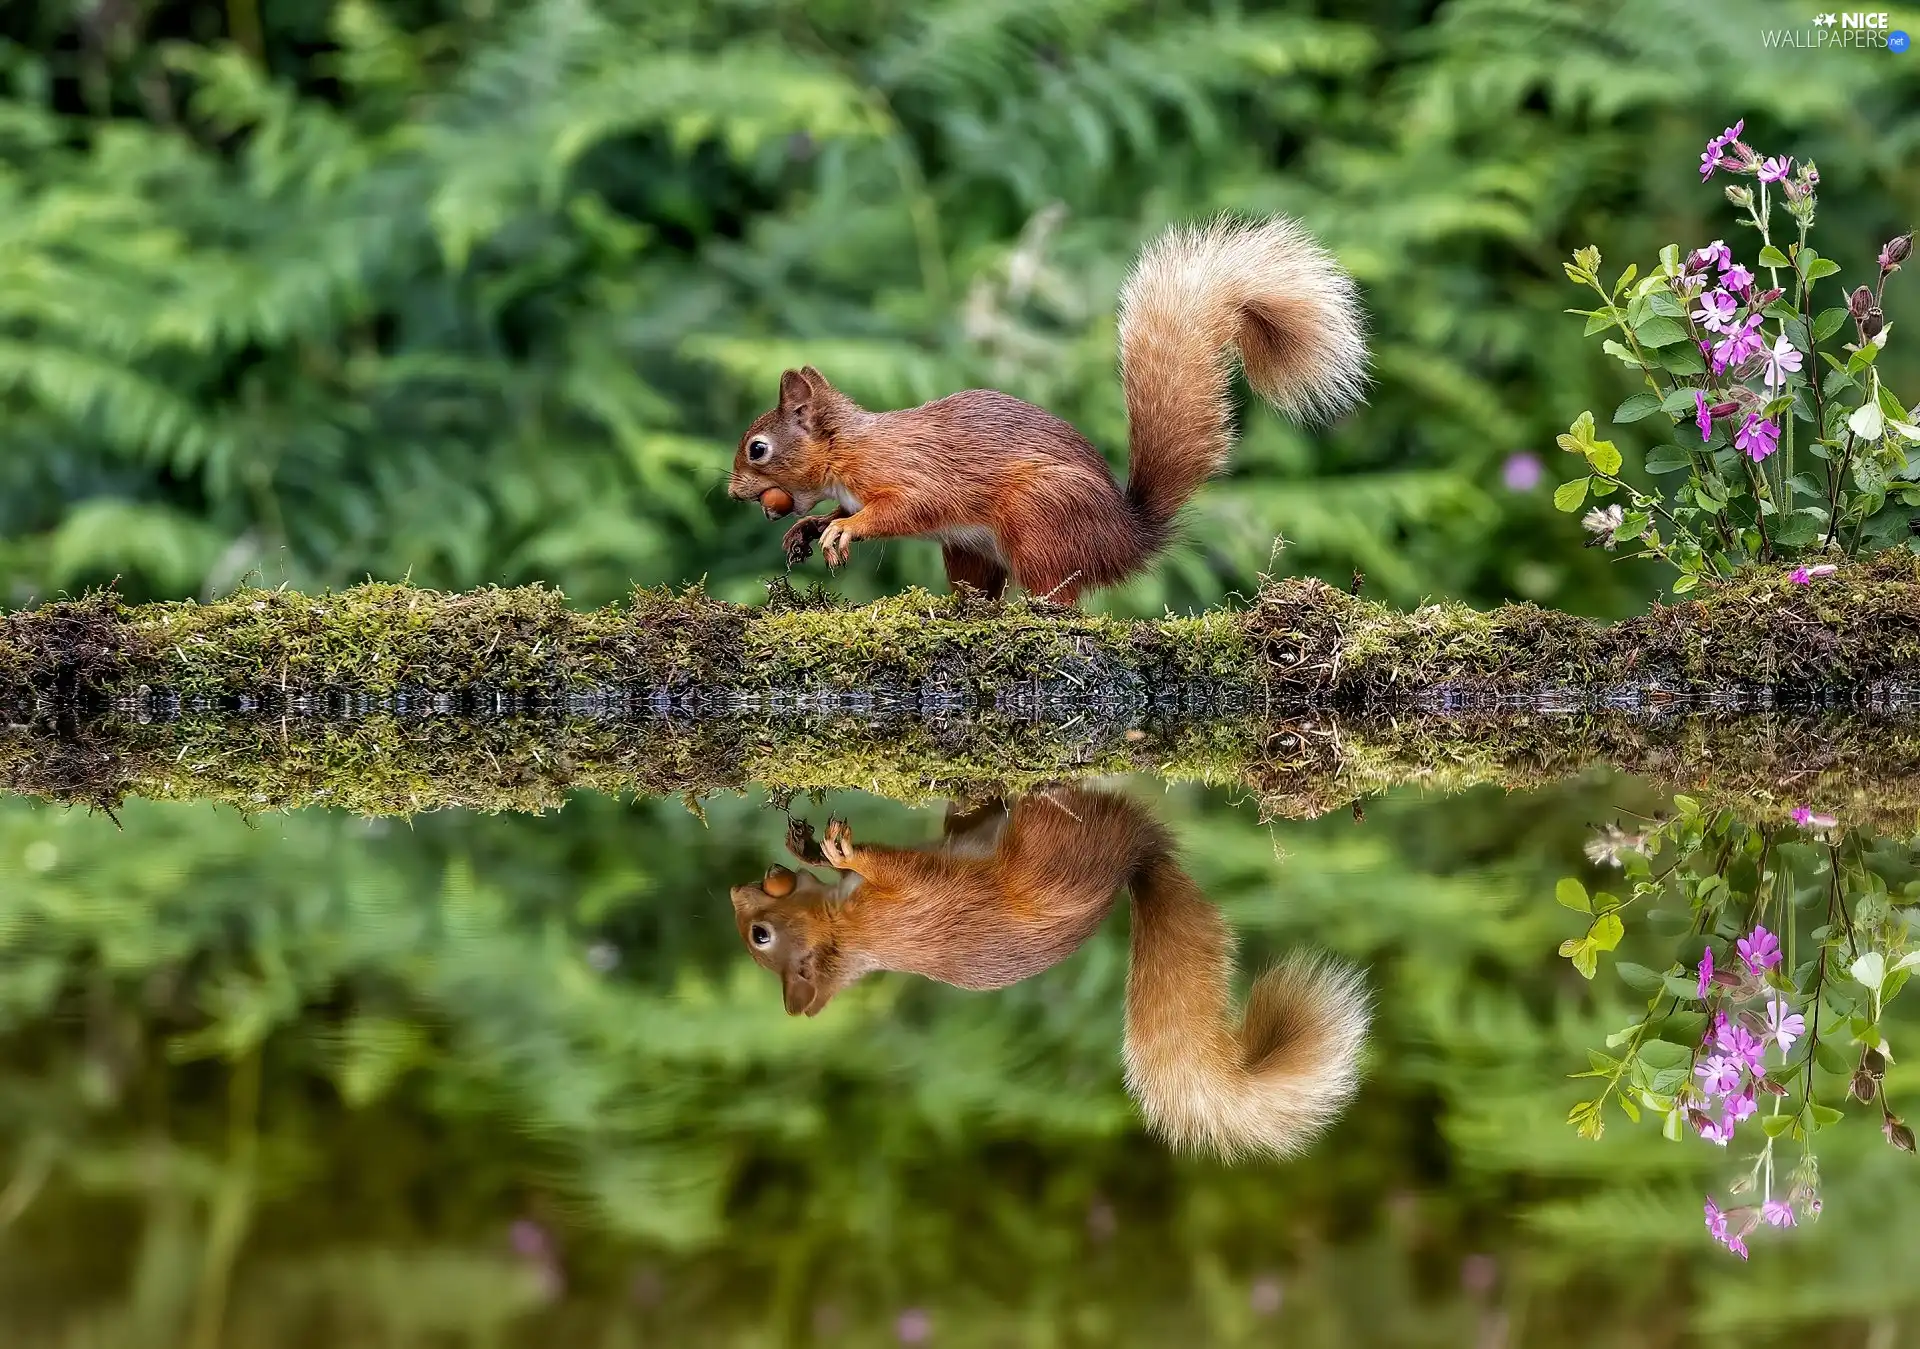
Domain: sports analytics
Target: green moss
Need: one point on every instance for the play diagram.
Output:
(1865, 768)
(1301, 643)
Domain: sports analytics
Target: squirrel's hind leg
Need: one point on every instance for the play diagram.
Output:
(966, 567)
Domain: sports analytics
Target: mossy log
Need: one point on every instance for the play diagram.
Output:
(1297, 644)
(388, 699)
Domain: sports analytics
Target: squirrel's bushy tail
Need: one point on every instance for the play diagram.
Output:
(1264, 288)
(1264, 1085)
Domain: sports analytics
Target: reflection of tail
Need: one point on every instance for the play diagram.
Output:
(1267, 1085)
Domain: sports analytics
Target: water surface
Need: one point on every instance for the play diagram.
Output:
(310, 1078)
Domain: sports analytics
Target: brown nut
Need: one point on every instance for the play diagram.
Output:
(776, 502)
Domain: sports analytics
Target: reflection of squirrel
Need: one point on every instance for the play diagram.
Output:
(1008, 488)
(1006, 895)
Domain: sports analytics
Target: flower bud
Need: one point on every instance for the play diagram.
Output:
(1739, 195)
(1724, 409)
(1874, 1064)
(1767, 297)
(1863, 1087)
(1897, 1133)
(1741, 1185)
(1699, 1119)
(1895, 252)
(1871, 325)
(1769, 1086)
(1860, 302)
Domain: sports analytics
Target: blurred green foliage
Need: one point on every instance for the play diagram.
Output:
(478, 291)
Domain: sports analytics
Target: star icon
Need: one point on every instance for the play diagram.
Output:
(1825, 20)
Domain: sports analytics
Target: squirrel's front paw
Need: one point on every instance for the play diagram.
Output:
(800, 840)
(798, 540)
(838, 849)
(834, 544)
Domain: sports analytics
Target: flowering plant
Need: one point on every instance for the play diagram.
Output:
(1791, 445)
(1795, 935)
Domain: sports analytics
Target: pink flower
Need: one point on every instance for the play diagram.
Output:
(1732, 133)
(1760, 949)
(1522, 471)
(1716, 253)
(1741, 1046)
(1737, 1246)
(1759, 438)
(1735, 277)
(1718, 1132)
(1784, 1025)
(1773, 170)
(1706, 970)
(1738, 344)
(1740, 1105)
(1716, 1222)
(1805, 576)
(1718, 1074)
(1716, 311)
(1778, 1212)
(1782, 361)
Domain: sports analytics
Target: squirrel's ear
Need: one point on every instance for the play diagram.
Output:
(794, 391)
(797, 991)
(815, 380)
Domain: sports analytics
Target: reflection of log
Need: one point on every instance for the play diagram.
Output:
(1862, 766)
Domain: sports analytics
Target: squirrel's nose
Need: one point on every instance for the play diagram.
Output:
(740, 490)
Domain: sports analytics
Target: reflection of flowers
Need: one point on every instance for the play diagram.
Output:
(1784, 1025)
(1608, 845)
(1760, 949)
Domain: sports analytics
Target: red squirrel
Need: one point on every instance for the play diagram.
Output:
(1011, 490)
(1009, 893)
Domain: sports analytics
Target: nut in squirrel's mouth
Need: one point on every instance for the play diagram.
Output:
(776, 503)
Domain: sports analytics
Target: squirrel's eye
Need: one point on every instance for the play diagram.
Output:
(762, 934)
(758, 449)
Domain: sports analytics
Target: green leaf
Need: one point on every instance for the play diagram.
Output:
(1828, 323)
(1626, 277)
(1573, 895)
(1667, 459)
(1822, 267)
(1636, 407)
(1604, 457)
(1627, 1105)
(1781, 310)
(1776, 1125)
(1632, 526)
(1870, 970)
(1823, 1115)
(1773, 257)
(1831, 1059)
(1664, 302)
(1660, 331)
(1867, 421)
(1681, 359)
(1639, 978)
(1661, 1055)
(1599, 320)
(1606, 932)
(1568, 495)
(1682, 584)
